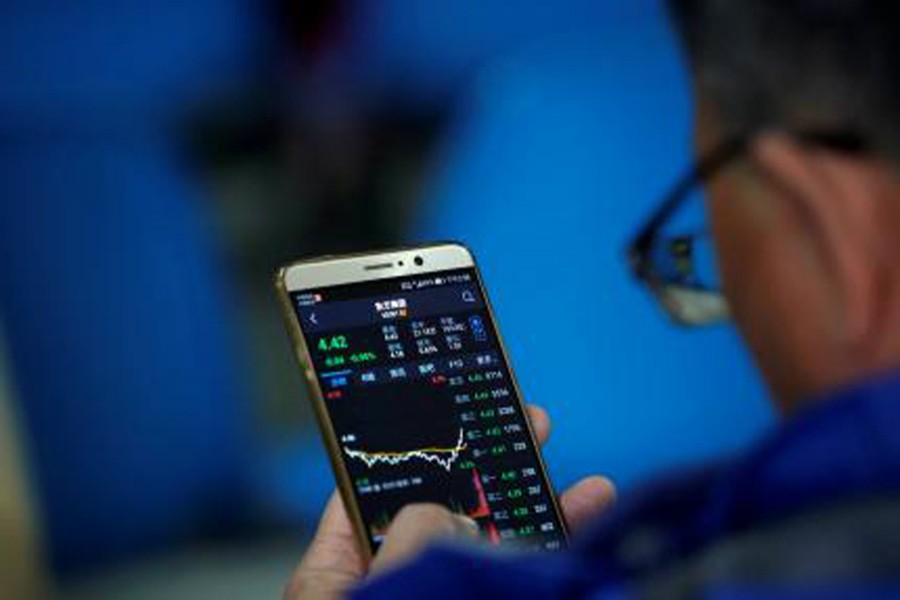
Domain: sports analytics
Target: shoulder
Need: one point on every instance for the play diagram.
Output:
(848, 548)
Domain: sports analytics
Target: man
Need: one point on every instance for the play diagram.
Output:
(798, 124)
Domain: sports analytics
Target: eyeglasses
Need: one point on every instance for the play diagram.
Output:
(673, 254)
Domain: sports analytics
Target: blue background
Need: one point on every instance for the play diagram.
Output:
(567, 123)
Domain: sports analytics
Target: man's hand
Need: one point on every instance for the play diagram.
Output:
(333, 563)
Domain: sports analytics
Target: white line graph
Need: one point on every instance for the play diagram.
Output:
(445, 457)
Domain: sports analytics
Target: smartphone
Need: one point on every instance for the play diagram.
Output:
(414, 394)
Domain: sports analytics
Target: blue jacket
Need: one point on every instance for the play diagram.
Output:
(812, 512)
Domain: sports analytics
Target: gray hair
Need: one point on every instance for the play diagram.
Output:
(812, 65)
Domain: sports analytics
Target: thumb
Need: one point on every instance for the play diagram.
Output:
(414, 527)
(586, 500)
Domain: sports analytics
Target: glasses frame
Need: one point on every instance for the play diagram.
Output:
(687, 303)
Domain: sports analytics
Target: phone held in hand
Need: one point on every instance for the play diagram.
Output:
(414, 395)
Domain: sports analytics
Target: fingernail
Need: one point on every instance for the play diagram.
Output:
(610, 486)
(469, 523)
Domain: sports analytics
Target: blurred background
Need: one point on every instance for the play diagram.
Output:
(158, 162)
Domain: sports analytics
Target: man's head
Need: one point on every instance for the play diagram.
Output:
(808, 238)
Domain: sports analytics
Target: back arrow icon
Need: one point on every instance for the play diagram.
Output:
(313, 319)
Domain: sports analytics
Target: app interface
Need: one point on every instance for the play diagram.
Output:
(423, 405)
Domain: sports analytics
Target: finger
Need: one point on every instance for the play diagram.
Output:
(586, 500)
(334, 546)
(414, 527)
(540, 423)
(310, 584)
(332, 563)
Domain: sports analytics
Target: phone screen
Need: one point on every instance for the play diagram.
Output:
(423, 405)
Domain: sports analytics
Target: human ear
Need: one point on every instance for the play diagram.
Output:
(836, 207)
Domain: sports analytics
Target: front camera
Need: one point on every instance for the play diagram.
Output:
(419, 261)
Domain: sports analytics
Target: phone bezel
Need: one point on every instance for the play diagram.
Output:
(334, 270)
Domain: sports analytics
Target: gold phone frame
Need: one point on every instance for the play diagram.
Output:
(323, 419)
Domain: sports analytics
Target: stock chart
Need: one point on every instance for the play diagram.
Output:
(424, 407)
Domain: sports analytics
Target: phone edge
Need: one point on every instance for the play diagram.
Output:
(323, 419)
(523, 406)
